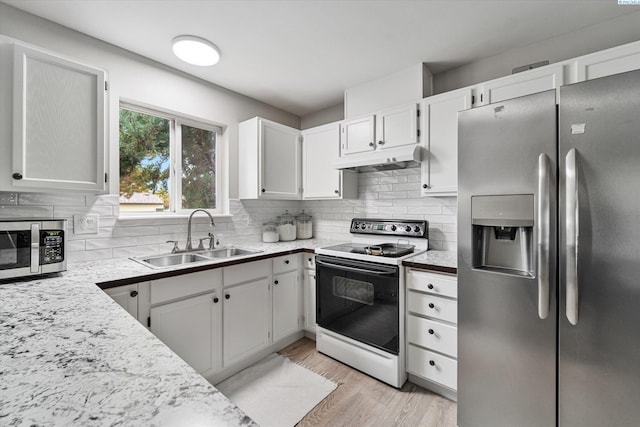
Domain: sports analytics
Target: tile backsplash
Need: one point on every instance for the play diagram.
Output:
(388, 194)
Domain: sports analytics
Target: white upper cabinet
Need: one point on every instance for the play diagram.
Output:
(320, 149)
(58, 124)
(605, 63)
(358, 135)
(521, 84)
(397, 126)
(385, 129)
(270, 160)
(440, 130)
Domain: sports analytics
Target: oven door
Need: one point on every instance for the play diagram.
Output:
(359, 300)
(17, 254)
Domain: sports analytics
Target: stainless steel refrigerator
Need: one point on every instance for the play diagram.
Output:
(549, 258)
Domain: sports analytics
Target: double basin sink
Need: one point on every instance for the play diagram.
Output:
(167, 260)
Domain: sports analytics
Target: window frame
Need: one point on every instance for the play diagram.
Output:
(176, 121)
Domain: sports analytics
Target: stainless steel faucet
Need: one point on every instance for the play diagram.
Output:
(189, 246)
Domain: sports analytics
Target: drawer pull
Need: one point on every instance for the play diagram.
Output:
(432, 363)
(286, 261)
(431, 305)
(431, 331)
(430, 286)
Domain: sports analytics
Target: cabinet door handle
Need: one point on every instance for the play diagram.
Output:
(17, 176)
(275, 282)
(336, 191)
(133, 294)
(215, 300)
(227, 296)
(380, 142)
(371, 144)
(263, 190)
(425, 186)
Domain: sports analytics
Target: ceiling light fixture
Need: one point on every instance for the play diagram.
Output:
(196, 50)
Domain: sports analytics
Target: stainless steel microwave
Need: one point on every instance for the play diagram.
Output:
(32, 247)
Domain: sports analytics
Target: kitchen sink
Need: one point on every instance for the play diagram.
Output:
(171, 259)
(167, 260)
(225, 252)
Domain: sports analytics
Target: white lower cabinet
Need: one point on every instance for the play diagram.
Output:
(309, 282)
(221, 320)
(246, 320)
(126, 296)
(432, 333)
(286, 307)
(287, 296)
(191, 328)
(247, 310)
(186, 314)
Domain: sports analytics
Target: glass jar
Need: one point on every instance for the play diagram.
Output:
(304, 226)
(270, 232)
(287, 227)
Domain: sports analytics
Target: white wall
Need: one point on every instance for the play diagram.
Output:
(322, 117)
(556, 49)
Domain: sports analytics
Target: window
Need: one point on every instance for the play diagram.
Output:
(167, 163)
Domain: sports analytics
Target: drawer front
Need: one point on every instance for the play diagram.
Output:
(173, 288)
(309, 261)
(436, 284)
(432, 306)
(246, 272)
(432, 366)
(286, 263)
(433, 335)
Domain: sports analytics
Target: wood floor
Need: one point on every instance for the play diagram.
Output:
(360, 400)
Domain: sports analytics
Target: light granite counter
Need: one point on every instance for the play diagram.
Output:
(69, 355)
(440, 261)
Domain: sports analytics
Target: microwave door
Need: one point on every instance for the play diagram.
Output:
(15, 250)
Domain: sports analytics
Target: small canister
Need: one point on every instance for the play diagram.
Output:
(287, 227)
(304, 226)
(270, 232)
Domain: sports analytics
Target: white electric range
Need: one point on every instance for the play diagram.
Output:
(360, 295)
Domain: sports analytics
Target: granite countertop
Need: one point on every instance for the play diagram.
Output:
(439, 261)
(70, 355)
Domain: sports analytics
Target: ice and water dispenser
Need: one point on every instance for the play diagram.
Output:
(503, 234)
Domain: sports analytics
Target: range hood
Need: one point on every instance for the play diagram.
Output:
(389, 158)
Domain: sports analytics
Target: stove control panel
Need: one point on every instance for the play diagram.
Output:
(395, 227)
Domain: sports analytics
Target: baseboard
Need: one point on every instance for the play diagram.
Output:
(441, 390)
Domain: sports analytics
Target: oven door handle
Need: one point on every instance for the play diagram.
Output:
(385, 272)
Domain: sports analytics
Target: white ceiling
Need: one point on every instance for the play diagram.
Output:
(301, 55)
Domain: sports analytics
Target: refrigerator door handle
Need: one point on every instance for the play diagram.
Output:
(544, 226)
(572, 224)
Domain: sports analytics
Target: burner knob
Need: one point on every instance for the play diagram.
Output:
(417, 229)
(393, 228)
(407, 228)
